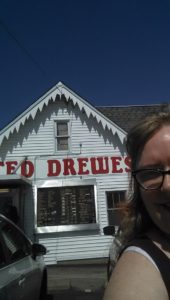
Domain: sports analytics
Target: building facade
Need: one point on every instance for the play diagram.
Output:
(64, 168)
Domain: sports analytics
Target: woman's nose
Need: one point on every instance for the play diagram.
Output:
(166, 182)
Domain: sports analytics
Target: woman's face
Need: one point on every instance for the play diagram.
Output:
(156, 154)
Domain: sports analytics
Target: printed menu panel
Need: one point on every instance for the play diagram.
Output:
(65, 206)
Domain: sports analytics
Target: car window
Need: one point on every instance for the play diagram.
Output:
(2, 257)
(17, 246)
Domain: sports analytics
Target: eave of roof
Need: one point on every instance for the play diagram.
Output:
(53, 94)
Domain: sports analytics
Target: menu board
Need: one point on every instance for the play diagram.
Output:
(65, 205)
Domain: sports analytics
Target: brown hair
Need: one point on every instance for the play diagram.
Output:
(137, 220)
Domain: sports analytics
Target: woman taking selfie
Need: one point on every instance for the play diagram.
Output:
(143, 268)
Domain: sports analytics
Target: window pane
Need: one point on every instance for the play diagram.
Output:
(62, 129)
(17, 246)
(2, 256)
(110, 203)
(62, 143)
(114, 200)
(65, 206)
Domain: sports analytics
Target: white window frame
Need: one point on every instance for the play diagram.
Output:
(66, 136)
(66, 228)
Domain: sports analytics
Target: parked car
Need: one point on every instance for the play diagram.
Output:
(23, 274)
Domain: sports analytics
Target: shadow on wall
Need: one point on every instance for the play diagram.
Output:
(32, 126)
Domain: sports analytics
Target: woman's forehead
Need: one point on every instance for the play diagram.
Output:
(157, 148)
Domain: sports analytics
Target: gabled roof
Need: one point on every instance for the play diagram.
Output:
(54, 94)
(128, 116)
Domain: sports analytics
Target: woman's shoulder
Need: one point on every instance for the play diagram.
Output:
(142, 251)
(135, 277)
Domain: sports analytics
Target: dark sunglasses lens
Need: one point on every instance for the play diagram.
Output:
(149, 179)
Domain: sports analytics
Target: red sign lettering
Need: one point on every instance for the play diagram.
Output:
(11, 166)
(128, 163)
(115, 164)
(54, 167)
(27, 168)
(99, 165)
(69, 167)
(82, 165)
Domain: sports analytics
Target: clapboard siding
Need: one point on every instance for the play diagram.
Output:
(36, 137)
(76, 248)
(95, 246)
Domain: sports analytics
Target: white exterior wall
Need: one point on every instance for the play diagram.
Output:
(87, 245)
(36, 138)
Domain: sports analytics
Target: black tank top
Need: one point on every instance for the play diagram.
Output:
(158, 256)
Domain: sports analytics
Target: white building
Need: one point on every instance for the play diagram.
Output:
(63, 164)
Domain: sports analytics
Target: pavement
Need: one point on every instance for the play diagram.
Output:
(78, 296)
(87, 276)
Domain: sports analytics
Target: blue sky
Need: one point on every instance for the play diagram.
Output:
(109, 52)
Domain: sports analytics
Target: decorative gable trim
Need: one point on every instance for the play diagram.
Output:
(58, 91)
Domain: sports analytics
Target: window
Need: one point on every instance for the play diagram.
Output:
(62, 135)
(16, 244)
(2, 256)
(114, 199)
(70, 205)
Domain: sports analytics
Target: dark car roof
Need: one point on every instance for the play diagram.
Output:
(128, 116)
